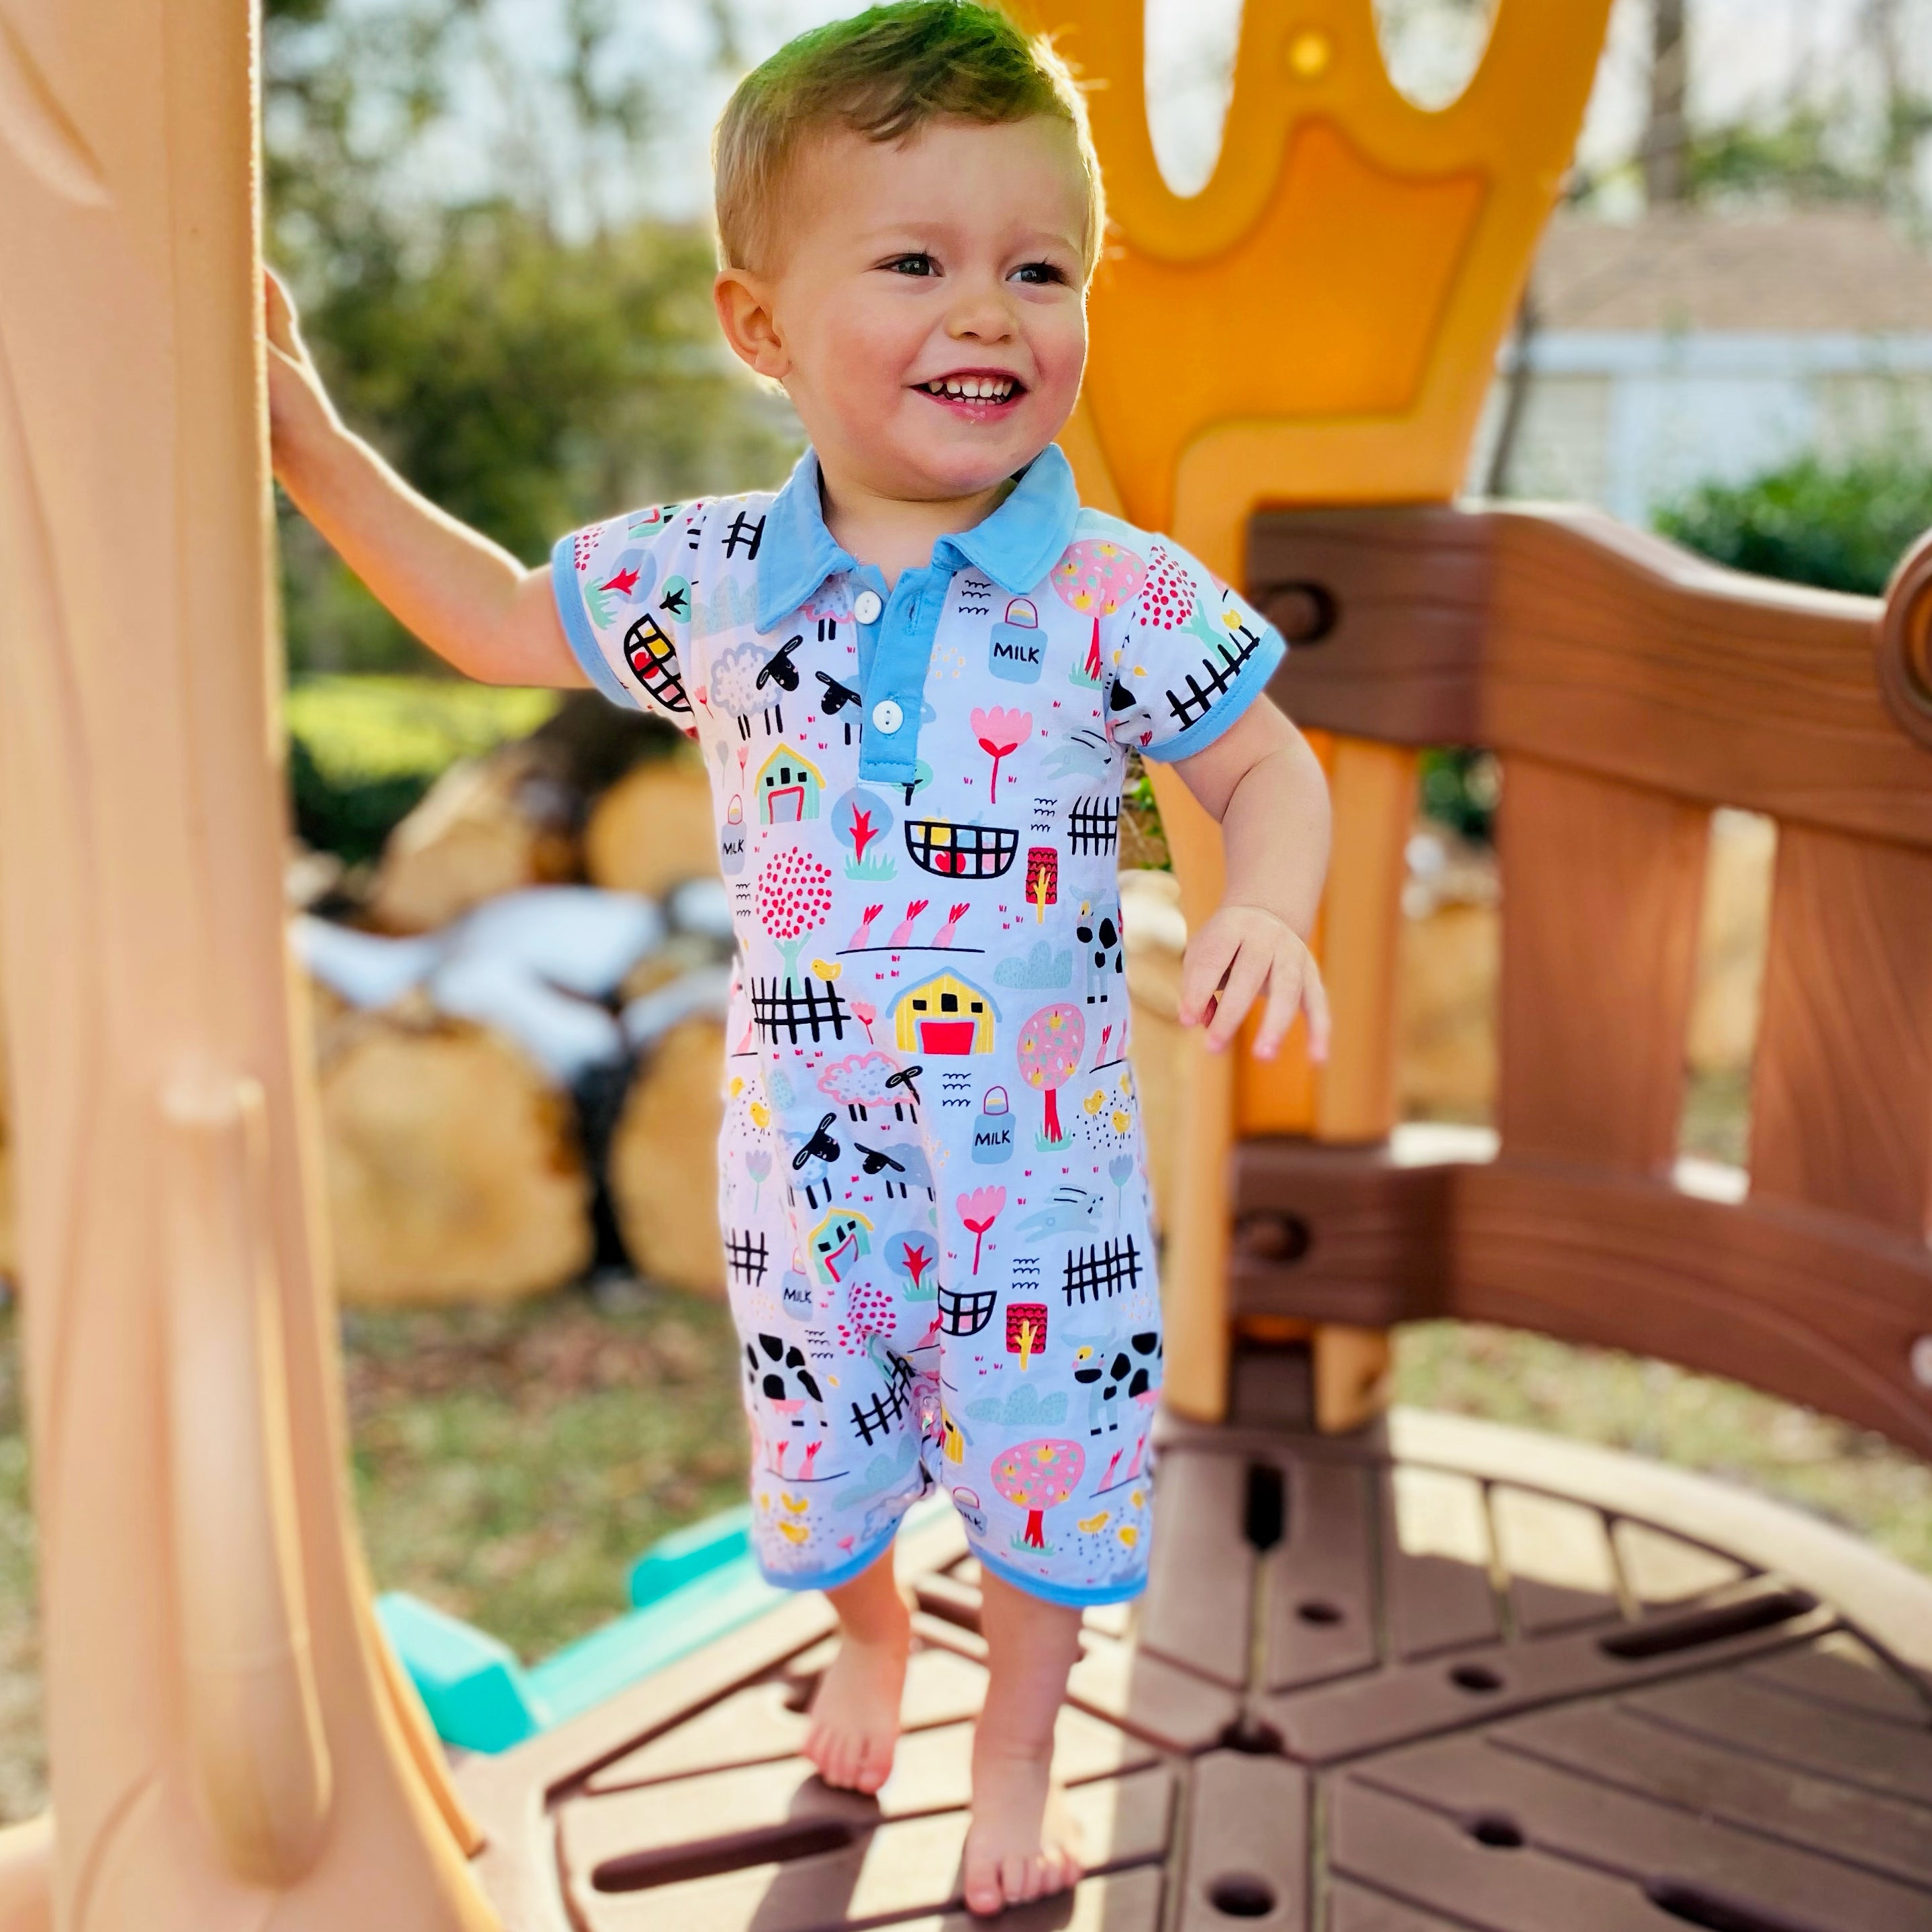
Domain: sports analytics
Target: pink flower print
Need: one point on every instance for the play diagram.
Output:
(979, 1211)
(943, 937)
(865, 1012)
(901, 934)
(794, 894)
(862, 933)
(1000, 733)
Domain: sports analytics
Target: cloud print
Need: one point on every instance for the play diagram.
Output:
(1026, 1407)
(1043, 967)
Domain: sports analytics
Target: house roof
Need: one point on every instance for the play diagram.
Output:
(1807, 272)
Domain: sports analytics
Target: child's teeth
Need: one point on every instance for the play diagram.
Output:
(973, 388)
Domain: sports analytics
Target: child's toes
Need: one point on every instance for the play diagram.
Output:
(873, 1764)
(981, 1885)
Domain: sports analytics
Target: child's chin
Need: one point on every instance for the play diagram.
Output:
(960, 465)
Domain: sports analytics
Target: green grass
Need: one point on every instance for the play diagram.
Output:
(1849, 1476)
(360, 728)
(509, 1463)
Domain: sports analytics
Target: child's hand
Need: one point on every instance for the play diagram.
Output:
(1239, 951)
(299, 410)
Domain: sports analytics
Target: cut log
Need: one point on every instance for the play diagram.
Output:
(489, 825)
(453, 1168)
(663, 1166)
(653, 829)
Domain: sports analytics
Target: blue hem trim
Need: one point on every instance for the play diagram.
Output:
(828, 1580)
(1242, 693)
(576, 628)
(1056, 1593)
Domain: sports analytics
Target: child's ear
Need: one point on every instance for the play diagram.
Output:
(744, 305)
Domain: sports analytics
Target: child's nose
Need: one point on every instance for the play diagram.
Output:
(982, 314)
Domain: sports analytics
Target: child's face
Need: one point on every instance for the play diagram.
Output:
(926, 308)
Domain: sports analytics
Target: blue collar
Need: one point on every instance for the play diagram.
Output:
(1016, 546)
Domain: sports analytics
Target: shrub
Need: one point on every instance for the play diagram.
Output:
(1842, 527)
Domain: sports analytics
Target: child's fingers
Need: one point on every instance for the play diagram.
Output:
(1314, 999)
(1245, 979)
(1202, 968)
(1285, 998)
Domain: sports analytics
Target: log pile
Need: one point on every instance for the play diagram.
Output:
(452, 1163)
(662, 1172)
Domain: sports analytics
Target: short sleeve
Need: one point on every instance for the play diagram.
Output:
(626, 607)
(1187, 656)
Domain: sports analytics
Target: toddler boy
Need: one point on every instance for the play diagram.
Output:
(915, 672)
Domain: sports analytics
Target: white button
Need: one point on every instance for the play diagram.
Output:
(886, 715)
(866, 607)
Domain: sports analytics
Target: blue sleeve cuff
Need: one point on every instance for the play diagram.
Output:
(1228, 708)
(576, 620)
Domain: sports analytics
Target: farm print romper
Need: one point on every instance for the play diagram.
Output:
(933, 1192)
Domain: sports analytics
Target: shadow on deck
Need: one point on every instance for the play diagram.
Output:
(1440, 1675)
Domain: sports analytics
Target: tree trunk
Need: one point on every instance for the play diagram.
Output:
(1665, 173)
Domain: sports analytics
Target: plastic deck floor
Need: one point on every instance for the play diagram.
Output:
(1476, 1681)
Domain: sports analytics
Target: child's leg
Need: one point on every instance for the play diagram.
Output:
(1019, 1847)
(855, 1713)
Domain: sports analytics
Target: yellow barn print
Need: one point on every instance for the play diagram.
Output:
(944, 1014)
(789, 788)
(839, 1242)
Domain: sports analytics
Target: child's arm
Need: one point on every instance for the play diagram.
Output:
(469, 601)
(1262, 782)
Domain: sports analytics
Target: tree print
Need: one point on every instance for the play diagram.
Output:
(1050, 1046)
(860, 820)
(1101, 577)
(794, 896)
(979, 1211)
(1037, 1477)
(1000, 733)
(912, 1255)
(1026, 1330)
(1043, 879)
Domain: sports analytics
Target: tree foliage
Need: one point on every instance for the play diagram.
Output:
(525, 357)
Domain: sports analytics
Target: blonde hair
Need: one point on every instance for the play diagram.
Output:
(884, 73)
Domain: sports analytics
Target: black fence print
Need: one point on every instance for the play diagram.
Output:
(784, 1008)
(748, 1255)
(966, 1312)
(746, 535)
(878, 1418)
(1101, 1271)
(1093, 824)
(1221, 670)
(961, 851)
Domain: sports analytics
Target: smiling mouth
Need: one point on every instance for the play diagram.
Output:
(973, 388)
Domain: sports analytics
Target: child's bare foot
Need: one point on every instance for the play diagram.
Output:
(1021, 1845)
(855, 1713)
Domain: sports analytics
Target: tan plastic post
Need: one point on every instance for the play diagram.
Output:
(226, 1750)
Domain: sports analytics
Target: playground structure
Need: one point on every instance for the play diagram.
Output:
(1392, 1674)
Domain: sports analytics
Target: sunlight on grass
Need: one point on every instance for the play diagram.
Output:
(381, 727)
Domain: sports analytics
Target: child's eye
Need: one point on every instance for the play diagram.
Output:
(912, 264)
(1039, 272)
